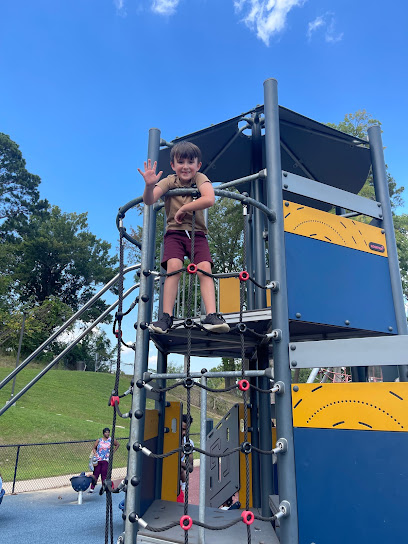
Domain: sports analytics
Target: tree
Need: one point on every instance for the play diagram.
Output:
(357, 124)
(94, 349)
(58, 256)
(19, 195)
(226, 235)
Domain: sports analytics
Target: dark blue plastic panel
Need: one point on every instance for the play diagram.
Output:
(331, 284)
(352, 486)
(148, 475)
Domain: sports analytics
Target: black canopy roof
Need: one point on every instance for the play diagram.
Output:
(308, 148)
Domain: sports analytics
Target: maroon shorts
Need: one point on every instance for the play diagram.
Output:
(177, 245)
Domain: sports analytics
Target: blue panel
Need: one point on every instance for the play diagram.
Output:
(330, 284)
(352, 486)
(148, 476)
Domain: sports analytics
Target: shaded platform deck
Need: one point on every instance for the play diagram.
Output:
(258, 323)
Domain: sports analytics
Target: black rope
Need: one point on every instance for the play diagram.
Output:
(119, 314)
(212, 390)
(225, 454)
(217, 527)
(164, 455)
(169, 388)
(195, 522)
(168, 274)
(161, 529)
(264, 452)
(242, 341)
(259, 389)
(263, 518)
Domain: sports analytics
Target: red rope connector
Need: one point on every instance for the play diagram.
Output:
(113, 400)
(192, 268)
(243, 385)
(186, 522)
(247, 517)
(117, 334)
(244, 276)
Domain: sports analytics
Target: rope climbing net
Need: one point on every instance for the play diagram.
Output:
(243, 384)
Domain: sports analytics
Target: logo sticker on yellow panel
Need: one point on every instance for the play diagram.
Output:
(333, 229)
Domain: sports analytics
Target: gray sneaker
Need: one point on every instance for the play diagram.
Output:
(162, 325)
(215, 323)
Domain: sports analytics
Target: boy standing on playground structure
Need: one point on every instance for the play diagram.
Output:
(185, 160)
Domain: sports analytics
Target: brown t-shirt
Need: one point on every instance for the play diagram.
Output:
(174, 203)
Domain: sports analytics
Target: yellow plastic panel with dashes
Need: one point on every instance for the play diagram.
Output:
(333, 229)
(364, 406)
(170, 478)
(244, 458)
(151, 424)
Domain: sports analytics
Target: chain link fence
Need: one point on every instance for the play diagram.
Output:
(31, 467)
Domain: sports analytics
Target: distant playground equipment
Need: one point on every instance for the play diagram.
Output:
(80, 484)
(317, 289)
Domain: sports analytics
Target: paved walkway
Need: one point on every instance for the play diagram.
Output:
(54, 514)
(52, 483)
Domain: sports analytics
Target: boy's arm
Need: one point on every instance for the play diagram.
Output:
(206, 200)
(152, 193)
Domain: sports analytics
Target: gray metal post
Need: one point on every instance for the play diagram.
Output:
(258, 245)
(253, 398)
(135, 458)
(18, 353)
(248, 264)
(265, 438)
(203, 461)
(280, 318)
(160, 405)
(382, 195)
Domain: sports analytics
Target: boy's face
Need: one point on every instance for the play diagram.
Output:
(185, 169)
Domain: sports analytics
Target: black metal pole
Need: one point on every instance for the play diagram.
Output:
(15, 470)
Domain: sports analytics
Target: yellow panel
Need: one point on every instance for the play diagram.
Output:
(334, 229)
(229, 295)
(170, 477)
(151, 424)
(242, 464)
(364, 406)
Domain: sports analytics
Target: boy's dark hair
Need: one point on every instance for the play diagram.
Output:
(185, 419)
(185, 150)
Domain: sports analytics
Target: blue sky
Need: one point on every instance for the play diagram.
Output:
(83, 81)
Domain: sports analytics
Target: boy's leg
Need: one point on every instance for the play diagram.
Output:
(171, 285)
(165, 321)
(213, 322)
(207, 287)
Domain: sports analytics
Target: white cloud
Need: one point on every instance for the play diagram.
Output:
(266, 17)
(165, 7)
(326, 23)
(314, 25)
(120, 7)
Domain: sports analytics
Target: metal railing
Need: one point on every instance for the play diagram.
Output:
(47, 465)
(64, 327)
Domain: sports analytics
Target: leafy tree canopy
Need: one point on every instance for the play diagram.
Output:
(19, 195)
(59, 257)
(357, 124)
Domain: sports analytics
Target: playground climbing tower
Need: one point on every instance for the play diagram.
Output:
(328, 294)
